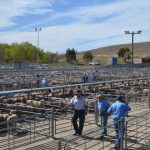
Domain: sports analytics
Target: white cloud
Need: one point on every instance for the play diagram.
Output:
(14, 8)
(131, 15)
(87, 12)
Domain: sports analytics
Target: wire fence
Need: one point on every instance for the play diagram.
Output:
(50, 128)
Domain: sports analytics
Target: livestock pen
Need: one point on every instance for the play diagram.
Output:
(48, 127)
(27, 78)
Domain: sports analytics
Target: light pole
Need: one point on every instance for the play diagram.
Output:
(132, 33)
(38, 31)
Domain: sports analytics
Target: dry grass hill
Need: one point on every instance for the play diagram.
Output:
(105, 53)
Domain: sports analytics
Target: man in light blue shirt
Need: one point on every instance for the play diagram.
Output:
(103, 106)
(119, 110)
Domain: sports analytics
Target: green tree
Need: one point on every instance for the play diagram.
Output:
(20, 52)
(125, 54)
(87, 56)
(70, 55)
(8, 57)
(2, 52)
(25, 51)
(30, 51)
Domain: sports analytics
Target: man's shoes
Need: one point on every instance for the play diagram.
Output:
(116, 147)
(79, 133)
(105, 134)
(76, 133)
(101, 137)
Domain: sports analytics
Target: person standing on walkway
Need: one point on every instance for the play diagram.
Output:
(119, 110)
(103, 106)
(38, 80)
(80, 104)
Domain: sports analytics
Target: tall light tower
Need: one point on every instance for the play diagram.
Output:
(132, 33)
(38, 31)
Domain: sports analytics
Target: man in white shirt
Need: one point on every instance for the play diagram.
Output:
(80, 104)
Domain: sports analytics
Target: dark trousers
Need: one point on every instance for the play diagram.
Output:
(81, 115)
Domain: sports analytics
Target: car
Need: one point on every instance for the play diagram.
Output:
(94, 63)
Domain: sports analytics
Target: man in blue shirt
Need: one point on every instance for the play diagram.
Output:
(103, 106)
(119, 110)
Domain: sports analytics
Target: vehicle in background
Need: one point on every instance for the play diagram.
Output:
(94, 62)
(45, 66)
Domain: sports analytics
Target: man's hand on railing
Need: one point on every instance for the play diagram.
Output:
(64, 108)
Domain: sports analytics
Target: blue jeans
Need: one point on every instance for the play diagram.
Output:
(103, 120)
(119, 129)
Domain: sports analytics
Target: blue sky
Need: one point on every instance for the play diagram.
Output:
(79, 24)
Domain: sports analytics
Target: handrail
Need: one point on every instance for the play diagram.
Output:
(68, 86)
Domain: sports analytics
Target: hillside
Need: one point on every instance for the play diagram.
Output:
(104, 53)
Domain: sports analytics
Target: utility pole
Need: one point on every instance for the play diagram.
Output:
(132, 33)
(38, 38)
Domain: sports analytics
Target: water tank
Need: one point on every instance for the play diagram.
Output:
(114, 60)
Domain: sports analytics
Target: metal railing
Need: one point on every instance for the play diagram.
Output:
(57, 125)
(69, 86)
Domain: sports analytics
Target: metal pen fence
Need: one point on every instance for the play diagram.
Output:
(29, 131)
(24, 131)
(57, 125)
(136, 136)
(28, 78)
(90, 138)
